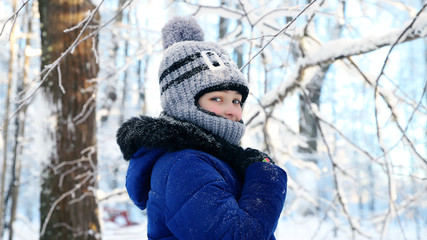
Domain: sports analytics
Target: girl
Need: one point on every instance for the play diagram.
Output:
(186, 167)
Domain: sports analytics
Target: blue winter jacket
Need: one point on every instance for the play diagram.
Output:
(192, 194)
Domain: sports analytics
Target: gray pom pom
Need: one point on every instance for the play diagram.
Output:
(181, 29)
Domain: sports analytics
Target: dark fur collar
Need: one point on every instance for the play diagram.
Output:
(172, 135)
(165, 133)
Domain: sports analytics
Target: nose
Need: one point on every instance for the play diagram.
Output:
(232, 112)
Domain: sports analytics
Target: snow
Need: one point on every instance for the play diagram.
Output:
(288, 228)
(344, 95)
(296, 229)
(115, 232)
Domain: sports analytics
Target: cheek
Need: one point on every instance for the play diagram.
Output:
(213, 108)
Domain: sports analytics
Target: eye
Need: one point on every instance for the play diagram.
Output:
(216, 99)
(237, 101)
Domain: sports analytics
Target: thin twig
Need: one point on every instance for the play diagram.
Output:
(57, 201)
(14, 16)
(335, 167)
(401, 36)
(277, 34)
(49, 68)
(392, 110)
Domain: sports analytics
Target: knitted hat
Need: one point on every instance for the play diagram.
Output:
(192, 67)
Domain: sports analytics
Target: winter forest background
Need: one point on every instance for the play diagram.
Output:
(338, 98)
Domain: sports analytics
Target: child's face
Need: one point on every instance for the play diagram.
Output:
(227, 103)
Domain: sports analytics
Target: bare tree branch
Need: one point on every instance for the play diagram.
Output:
(354, 226)
(326, 54)
(279, 33)
(35, 86)
(13, 17)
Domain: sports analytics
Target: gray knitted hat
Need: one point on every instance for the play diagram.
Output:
(192, 67)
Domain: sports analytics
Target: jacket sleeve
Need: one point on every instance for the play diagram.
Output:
(200, 203)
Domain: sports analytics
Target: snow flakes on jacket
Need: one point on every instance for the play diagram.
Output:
(196, 186)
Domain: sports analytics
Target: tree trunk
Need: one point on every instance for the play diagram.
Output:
(308, 129)
(68, 207)
(125, 79)
(307, 121)
(20, 127)
(5, 128)
(112, 86)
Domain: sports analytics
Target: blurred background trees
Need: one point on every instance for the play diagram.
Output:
(338, 98)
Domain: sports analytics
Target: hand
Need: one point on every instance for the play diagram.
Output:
(254, 155)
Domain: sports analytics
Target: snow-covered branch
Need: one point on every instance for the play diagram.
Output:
(13, 17)
(342, 49)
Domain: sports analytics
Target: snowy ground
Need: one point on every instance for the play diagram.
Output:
(302, 229)
(114, 232)
(295, 229)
